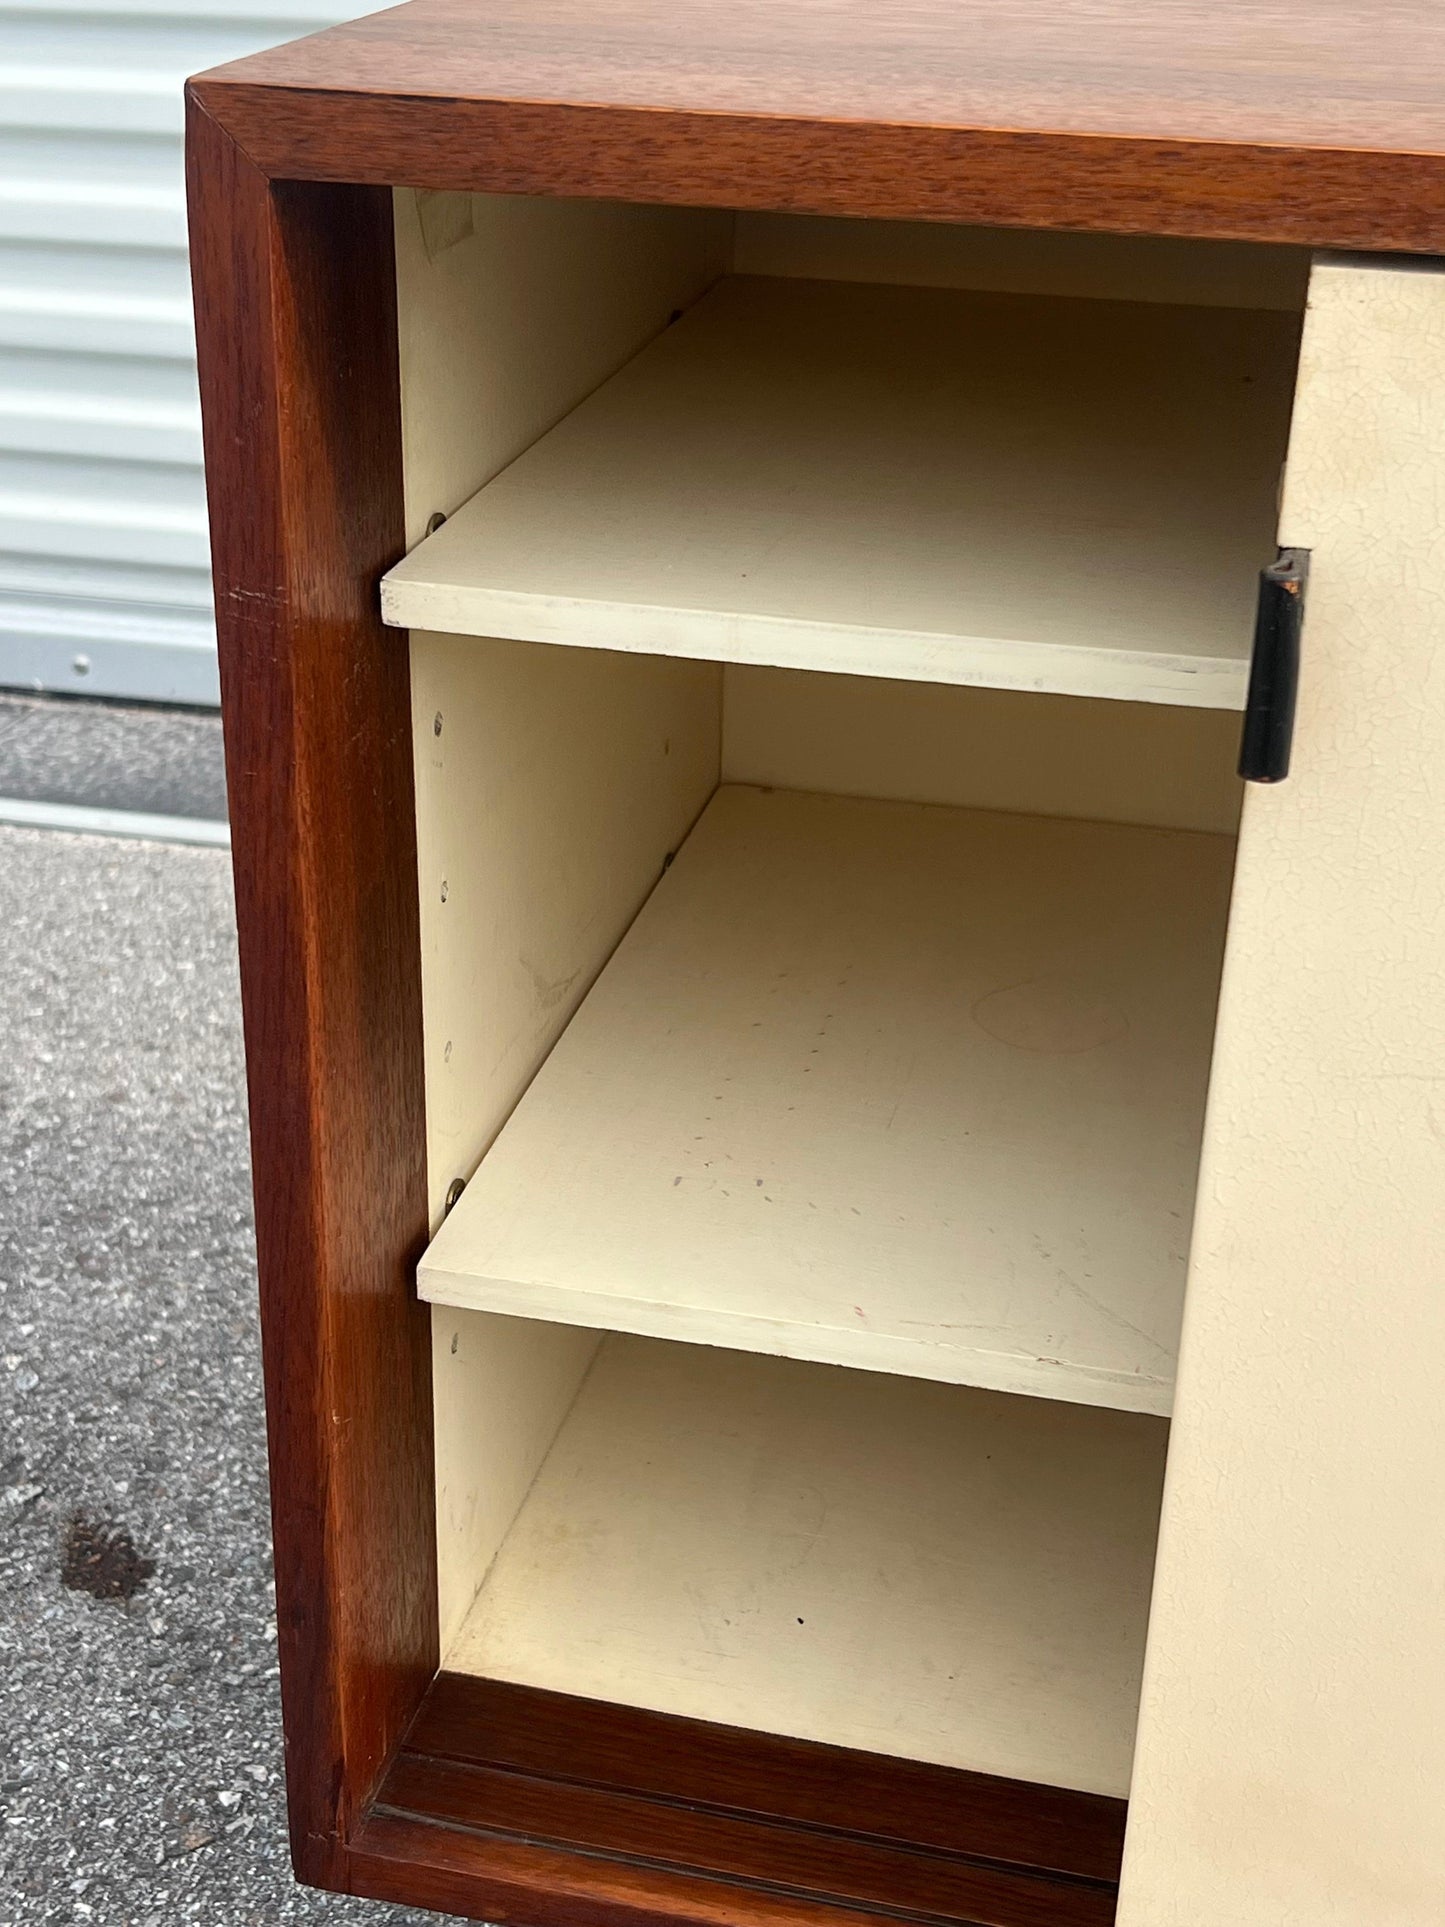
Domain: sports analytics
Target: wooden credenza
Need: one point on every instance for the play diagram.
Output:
(851, 1228)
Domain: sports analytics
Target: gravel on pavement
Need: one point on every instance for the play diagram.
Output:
(112, 756)
(140, 1781)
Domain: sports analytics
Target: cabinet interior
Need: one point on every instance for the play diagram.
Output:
(885, 1104)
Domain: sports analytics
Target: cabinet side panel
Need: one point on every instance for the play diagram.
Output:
(512, 308)
(991, 749)
(503, 1387)
(551, 786)
(297, 350)
(1291, 1760)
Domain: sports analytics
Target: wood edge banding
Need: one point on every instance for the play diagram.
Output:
(510, 1802)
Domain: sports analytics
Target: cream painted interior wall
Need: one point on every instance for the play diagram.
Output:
(550, 785)
(511, 309)
(1291, 1760)
(991, 749)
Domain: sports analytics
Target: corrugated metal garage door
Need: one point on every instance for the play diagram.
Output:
(104, 587)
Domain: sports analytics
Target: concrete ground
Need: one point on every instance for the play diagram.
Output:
(115, 756)
(140, 1766)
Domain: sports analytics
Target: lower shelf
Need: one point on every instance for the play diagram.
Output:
(914, 1089)
(512, 1803)
(926, 1571)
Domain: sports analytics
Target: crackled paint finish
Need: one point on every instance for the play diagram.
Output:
(1291, 1758)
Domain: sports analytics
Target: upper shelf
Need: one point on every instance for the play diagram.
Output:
(912, 1089)
(1073, 496)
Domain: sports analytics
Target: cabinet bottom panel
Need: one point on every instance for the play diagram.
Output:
(516, 1804)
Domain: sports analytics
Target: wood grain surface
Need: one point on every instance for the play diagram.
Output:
(525, 1730)
(524, 1804)
(1311, 121)
(296, 333)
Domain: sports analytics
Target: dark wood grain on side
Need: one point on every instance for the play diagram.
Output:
(1305, 196)
(1178, 117)
(511, 1803)
(1350, 76)
(295, 310)
(660, 1756)
(763, 1855)
(518, 1883)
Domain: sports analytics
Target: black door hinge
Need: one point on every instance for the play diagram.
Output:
(1264, 745)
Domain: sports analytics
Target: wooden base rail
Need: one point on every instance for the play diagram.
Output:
(502, 1792)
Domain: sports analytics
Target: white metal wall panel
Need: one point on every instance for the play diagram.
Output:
(104, 577)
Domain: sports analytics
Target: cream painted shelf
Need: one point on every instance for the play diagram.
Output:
(911, 1569)
(1026, 493)
(913, 1089)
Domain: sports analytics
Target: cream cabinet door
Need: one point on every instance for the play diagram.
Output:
(1291, 1758)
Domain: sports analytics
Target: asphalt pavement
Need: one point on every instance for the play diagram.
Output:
(115, 756)
(140, 1764)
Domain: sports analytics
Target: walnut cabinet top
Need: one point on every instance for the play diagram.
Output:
(1316, 122)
